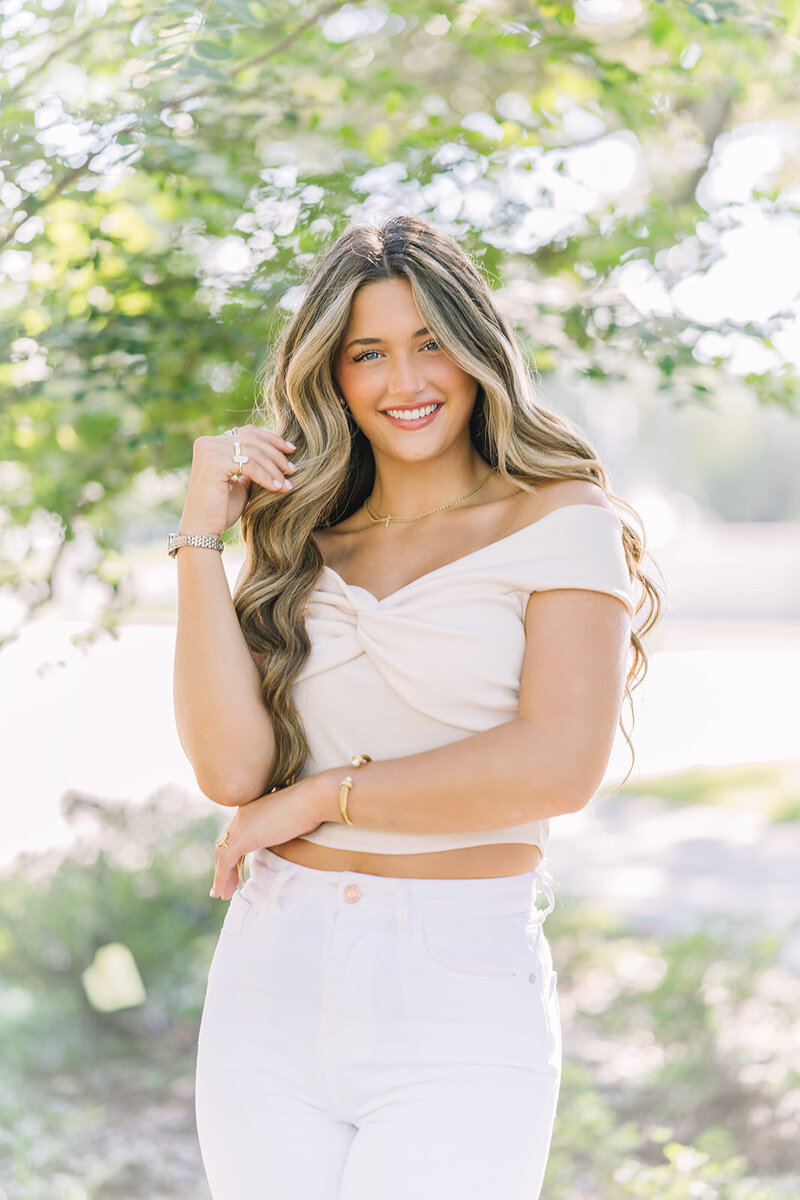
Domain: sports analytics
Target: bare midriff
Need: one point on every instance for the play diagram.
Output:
(466, 862)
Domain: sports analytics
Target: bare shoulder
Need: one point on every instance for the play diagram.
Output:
(560, 493)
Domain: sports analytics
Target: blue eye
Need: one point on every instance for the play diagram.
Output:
(363, 357)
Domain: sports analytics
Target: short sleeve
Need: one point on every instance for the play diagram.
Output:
(581, 547)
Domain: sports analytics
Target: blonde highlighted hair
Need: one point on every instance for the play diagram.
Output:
(522, 440)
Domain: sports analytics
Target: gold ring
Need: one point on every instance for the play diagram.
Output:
(223, 841)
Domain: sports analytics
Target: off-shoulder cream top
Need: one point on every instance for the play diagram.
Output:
(440, 658)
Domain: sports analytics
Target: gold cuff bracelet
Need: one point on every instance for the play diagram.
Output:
(344, 788)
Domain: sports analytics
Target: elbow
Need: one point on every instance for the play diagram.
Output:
(577, 793)
(554, 774)
(580, 775)
(551, 800)
(229, 793)
(563, 794)
(233, 790)
(575, 800)
(569, 799)
(224, 797)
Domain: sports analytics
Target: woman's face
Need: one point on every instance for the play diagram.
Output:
(390, 364)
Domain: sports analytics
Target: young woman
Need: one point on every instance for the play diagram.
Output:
(424, 661)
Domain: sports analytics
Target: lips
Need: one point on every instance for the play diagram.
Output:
(412, 423)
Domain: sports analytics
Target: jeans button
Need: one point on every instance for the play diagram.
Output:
(352, 893)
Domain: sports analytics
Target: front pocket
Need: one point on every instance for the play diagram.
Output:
(504, 945)
(238, 910)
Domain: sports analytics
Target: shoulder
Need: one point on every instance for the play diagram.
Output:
(561, 493)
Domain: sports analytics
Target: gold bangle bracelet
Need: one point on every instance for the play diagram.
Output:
(344, 787)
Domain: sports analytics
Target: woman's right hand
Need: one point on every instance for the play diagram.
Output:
(214, 499)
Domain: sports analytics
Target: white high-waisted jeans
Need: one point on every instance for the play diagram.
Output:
(375, 1038)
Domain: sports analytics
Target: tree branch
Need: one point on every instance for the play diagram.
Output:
(166, 106)
(39, 202)
(712, 116)
(63, 48)
(262, 58)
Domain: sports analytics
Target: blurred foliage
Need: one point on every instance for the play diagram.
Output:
(135, 878)
(772, 789)
(681, 1077)
(169, 170)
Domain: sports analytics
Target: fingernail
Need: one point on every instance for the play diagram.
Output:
(212, 892)
(291, 445)
(286, 484)
(278, 482)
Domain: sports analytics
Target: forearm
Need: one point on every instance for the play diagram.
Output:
(508, 775)
(223, 724)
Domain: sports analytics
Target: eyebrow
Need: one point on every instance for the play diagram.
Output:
(379, 341)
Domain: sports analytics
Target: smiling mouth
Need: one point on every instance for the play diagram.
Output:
(412, 416)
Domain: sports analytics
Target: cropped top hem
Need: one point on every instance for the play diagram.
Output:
(374, 841)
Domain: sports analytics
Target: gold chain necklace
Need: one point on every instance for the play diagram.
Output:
(374, 518)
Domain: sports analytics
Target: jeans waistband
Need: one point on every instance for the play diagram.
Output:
(272, 875)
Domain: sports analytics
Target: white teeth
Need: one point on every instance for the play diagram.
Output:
(413, 415)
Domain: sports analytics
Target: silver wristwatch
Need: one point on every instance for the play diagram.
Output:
(175, 540)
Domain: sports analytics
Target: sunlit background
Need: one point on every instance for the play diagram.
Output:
(628, 175)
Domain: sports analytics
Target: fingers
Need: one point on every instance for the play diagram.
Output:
(274, 445)
(263, 470)
(224, 885)
(227, 875)
(272, 439)
(269, 465)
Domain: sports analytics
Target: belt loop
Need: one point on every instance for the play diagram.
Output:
(402, 908)
(279, 878)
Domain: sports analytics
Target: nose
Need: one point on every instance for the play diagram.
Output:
(405, 378)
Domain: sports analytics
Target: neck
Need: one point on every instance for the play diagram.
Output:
(404, 489)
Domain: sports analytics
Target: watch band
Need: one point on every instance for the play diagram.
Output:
(211, 540)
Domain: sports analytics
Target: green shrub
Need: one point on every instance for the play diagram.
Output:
(140, 877)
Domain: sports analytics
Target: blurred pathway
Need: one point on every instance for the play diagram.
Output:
(670, 868)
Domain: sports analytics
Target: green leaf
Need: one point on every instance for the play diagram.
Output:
(238, 9)
(163, 63)
(215, 50)
(210, 72)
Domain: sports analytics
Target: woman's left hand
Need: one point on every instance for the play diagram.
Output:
(268, 820)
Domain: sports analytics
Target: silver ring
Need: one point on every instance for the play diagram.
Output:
(238, 458)
(231, 432)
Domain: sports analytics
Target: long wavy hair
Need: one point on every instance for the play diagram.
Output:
(510, 429)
